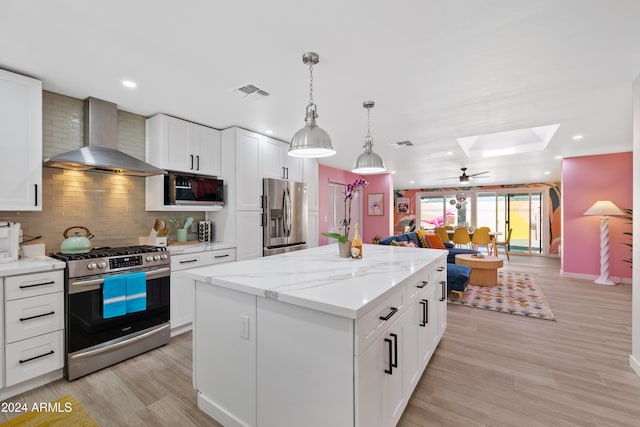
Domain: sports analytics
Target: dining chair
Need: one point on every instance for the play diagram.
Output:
(461, 237)
(481, 237)
(449, 227)
(442, 232)
(505, 244)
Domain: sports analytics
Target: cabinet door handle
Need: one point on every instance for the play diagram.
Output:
(283, 175)
(395, 350)
(191, 157)
(444, 290)
(37, 284)
(23, 319)
(423, 284)
(35, 200)
(36, 357)
(390, 370)
(423, 322)
(197, 163)
(287, 172)
(440, 269)
(187, 261)
(391, 313)
(221, 256)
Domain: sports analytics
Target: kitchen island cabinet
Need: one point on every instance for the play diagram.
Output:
(20, 142)
(309, 338)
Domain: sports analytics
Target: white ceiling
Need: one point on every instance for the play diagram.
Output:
(437, 71)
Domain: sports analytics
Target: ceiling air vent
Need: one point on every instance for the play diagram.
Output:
(402, 144)
(251, 91)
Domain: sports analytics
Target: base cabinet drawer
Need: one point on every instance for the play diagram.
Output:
(29, 285)
(32, 357)
(30, 317)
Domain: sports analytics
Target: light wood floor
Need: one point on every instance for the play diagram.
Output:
(490, 369)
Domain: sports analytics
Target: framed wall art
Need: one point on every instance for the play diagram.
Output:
(375, 204)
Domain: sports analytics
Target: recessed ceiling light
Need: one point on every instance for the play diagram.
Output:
(268, 131)
(412, 182)
(558, 157)
(547, 173)
(449, 153)
(576, 137)
(393, 172)
(128, 83)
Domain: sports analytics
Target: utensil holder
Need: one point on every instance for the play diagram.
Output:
(181, 234)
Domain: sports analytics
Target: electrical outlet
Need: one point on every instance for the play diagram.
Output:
(193, 228)
(244, 327)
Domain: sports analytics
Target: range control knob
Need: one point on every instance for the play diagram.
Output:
(156, 257)
(102, 264)
(149, 258)
(165, 256)
(91, 265)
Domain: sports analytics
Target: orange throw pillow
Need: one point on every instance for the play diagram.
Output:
(434, 241)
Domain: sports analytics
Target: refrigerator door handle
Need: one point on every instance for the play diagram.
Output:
(286, 212)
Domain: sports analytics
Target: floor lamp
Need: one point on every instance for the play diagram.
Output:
(604, 209)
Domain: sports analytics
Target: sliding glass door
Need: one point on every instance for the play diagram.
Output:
(523, 214)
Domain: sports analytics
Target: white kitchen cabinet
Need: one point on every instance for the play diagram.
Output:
(33, 307)
(380, 372)
(249, 234)
(248, 189)
(277, 163)
(20, 142)
(182, 294)
(178, 145)
(310, 177)
(312, 229)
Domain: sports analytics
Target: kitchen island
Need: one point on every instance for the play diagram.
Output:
(309, 338)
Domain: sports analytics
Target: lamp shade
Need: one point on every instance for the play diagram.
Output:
(311, 141)
(604, 208)
(369, 163)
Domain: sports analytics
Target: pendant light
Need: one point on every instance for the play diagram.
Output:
(311, 141)
(368, 162)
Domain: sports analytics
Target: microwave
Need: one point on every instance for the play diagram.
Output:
(194, 190)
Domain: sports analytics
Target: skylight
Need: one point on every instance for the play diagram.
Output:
(509, 142)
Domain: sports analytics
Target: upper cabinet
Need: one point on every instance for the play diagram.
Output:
(20, 142)
(182, 146)
(276, 161)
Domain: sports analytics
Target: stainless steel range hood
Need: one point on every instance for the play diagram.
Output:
(100, 152)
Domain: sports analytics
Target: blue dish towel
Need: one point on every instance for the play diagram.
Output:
(136, 292)
(114, 297)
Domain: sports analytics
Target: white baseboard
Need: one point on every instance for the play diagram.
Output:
(31, 384)
(635, 364)
(593, 277)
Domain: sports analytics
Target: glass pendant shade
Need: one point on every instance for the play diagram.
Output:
(311, 141)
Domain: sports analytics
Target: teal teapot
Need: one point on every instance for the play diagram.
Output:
(76, 244)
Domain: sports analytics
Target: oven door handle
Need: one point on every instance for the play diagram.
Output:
(120, 344)
(154, 274)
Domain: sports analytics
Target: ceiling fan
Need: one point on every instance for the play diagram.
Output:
(465, 178)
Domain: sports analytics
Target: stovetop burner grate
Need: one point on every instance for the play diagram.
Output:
(106, 252)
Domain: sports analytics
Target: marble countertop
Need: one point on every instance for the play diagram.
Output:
(198, 247)
(30, 265)
(318, 278)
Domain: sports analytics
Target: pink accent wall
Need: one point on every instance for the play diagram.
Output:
(586, 180)
(371, 225)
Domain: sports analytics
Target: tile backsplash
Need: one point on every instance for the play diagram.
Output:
(111, 206)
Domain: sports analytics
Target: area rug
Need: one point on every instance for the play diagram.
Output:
(516, 293)
(66, 411)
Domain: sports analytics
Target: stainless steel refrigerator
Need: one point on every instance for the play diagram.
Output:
(284, 216)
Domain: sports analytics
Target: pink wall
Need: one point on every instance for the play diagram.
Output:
(371, 225)
(586, 180)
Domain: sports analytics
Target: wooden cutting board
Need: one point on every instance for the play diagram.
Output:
(188, 242)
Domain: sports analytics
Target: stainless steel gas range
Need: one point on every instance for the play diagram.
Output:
(116, 305)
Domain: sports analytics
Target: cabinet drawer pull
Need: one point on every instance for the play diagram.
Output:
(22, 319)
(35, 203)
(423, 322)
(36, 357)
(395, 350)
(391, 313)
(37, 284)
(191, 156)
(423, 284)
(440, 269)
(197, 163)
(221, 256)
(187, 261)
(390, 370)
(444, 290)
